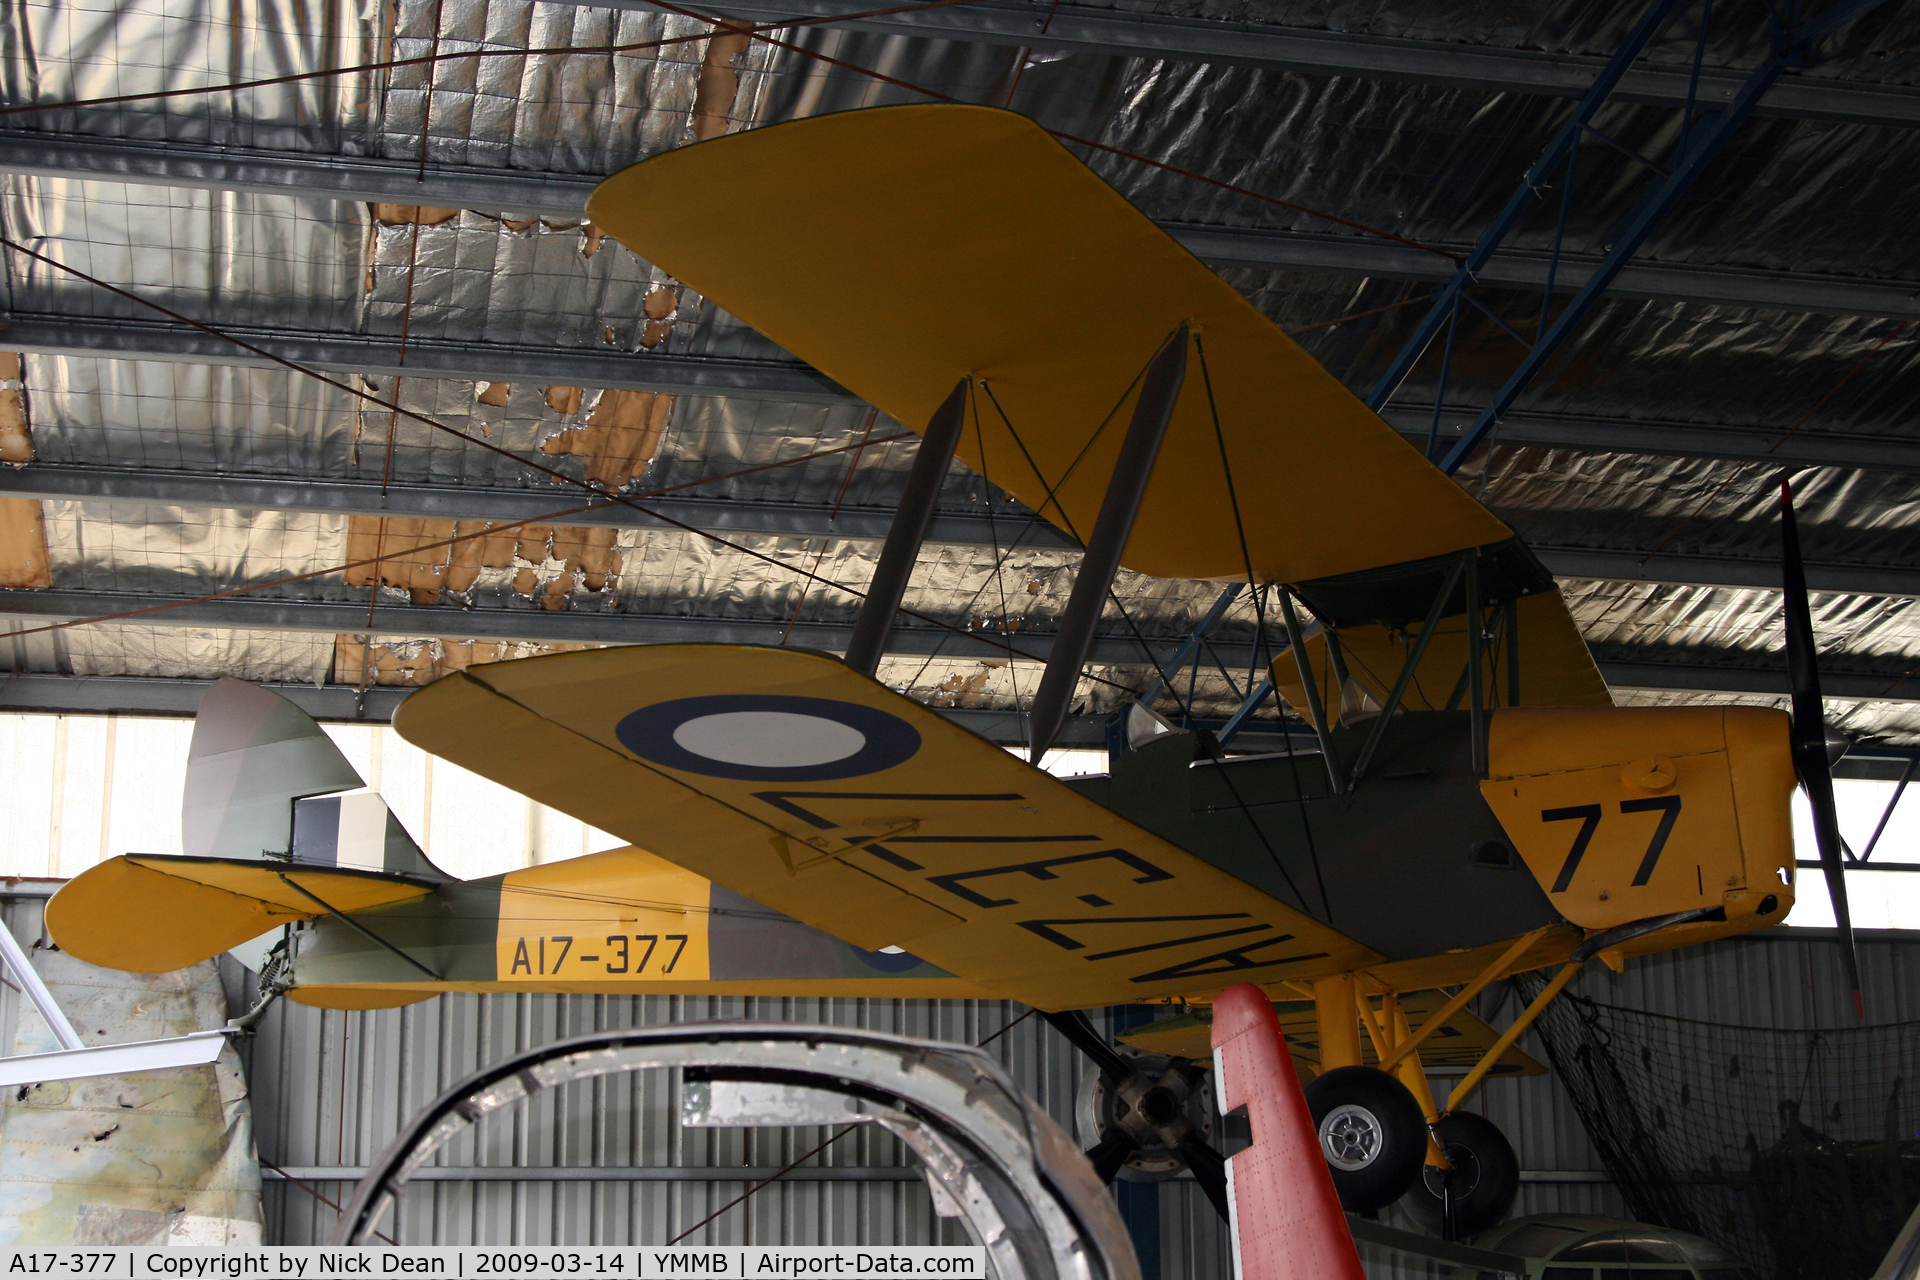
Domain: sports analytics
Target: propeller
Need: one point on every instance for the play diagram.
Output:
(1811, 758)
(1147, 1117)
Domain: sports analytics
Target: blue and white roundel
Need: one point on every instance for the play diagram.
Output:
(757, 737)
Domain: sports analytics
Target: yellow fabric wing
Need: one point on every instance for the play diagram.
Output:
(818, 792)
(916, 245)
(153, 913)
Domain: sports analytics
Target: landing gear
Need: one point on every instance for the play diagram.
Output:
(1372, 1133)
(1479, 1189)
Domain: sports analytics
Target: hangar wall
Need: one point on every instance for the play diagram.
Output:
(331, 1087)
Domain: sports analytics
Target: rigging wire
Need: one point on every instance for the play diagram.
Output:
(1112, 595)
(489, 528)
(390, 64)
(556, 475)
(1213, 748)
(1063, 136)
(999, 571)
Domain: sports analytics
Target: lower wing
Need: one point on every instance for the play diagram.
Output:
(812, 789)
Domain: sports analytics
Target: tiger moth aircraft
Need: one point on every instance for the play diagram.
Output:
(1476, 807)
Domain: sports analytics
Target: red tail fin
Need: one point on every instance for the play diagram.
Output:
(1286, 1223)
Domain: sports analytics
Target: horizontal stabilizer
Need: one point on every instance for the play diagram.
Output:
(153, 913)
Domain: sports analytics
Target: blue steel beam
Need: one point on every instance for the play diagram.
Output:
(1446, 298)
(1699, 146)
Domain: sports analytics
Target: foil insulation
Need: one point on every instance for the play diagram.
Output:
(1426, 162)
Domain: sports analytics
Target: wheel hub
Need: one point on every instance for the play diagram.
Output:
(1461, 1180)
(1352, 1137)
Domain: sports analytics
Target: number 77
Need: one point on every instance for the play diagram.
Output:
(1589, 815)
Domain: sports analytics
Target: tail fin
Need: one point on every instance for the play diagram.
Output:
(1286, 1222)
(256, 764)
(253, 754)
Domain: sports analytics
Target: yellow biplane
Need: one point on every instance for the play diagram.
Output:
(1476, 807)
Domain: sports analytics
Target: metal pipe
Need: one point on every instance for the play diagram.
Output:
(37, 991)
(1476, 656)
(911, 520)
(1512, 1034)
(1906, 776)
(1132, 469)
(1407, 668)
(1414, 1040)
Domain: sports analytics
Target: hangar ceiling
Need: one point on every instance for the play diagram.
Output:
(180, 267)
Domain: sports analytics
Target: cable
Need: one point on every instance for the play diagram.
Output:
(1213, 749)
(559, 476)
(1121, 152)
(432, 59)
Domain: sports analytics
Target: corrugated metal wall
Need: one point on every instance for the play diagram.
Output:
(330, 1089)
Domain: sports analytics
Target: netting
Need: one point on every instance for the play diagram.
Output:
(1794, 1149)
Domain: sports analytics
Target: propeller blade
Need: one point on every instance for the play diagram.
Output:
(1110, 1153)
(1075, 1027)
(1209, 1170)
(1809, 739)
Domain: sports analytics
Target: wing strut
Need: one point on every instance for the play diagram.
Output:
(1131, 471)
(356, 926)
(908, 531)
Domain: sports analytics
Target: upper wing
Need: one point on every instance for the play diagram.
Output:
(152, 913)
(816, 791)
(919, 244)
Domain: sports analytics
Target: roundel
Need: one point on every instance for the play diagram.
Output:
(759, 737)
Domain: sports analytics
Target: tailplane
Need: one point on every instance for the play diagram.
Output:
(267, 842)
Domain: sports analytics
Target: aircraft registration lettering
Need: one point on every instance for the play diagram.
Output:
(646, 921)
(530, 957)
(746, 767)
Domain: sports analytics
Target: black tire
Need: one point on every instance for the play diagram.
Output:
(1372, 1133)
(1485, 1178)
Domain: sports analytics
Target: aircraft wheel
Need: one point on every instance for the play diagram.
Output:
(1372, 1133)
(1484, 1180)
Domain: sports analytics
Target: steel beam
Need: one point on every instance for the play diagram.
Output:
(1528, 269)
(1121, 33)
(377, 356)
(564, 195)
(569, 626)
(802, 519)
(502, 505)
(38, 332)
(1733, 443)
(1725, 571)
(1712, 673)
(1693, 153)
